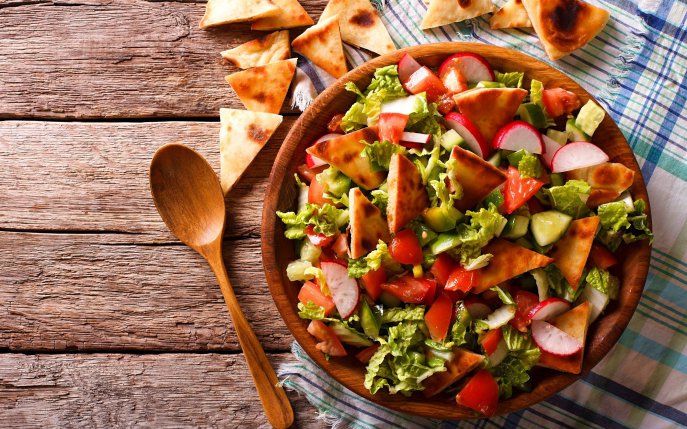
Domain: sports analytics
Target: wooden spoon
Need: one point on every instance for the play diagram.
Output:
(189, 198)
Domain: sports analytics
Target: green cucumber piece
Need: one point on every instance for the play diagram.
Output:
(487, 84)
(424, 233)
(370, 319)
(575, 134)
(495, 159)
(442, 219)
(589, 118)
(389, 301)
(549, 226)
(444, 242)
(559, 137)
(516, 226)
(451, 139)
(532, 113)
(557, 179)
(349, 335)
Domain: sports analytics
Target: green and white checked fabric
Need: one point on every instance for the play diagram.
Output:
(636, 68)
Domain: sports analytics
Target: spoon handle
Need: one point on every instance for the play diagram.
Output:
(274, 400)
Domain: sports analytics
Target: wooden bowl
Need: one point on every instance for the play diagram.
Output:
(277, 251)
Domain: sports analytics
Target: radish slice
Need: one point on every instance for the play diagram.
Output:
(404, 105)
(499, 354)
(477, 308)
(313, 161)
(519, 135)
(409, 137)
(577, 155)
(473, 67)
(551, 146)
(597, 299)
(469, 132)
(552, 340)
(548, 309)
(345, 290)
(406, 67)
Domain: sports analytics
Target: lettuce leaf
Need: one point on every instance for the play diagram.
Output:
(325, 219)
(613, 216)
(529, 166)
(380, 198)
(460, 332)
(503, 295)
(513, 371)
(310, 311)
(379, 154)
(476, 234)
(571, 198)
(511, 79)
(372, 261)
(400, 314)
(634, 227)
(604, 282)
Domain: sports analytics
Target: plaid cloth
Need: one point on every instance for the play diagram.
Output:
(636, 68)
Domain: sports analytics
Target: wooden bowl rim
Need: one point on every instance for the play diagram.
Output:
(549, 385)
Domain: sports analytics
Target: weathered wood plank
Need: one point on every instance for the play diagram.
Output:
(137, 391)
(83, 292)
(123, 59)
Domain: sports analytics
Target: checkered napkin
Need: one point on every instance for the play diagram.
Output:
(636, 68)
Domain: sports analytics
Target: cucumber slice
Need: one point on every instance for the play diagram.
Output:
(495, 159)
(388, 300)
(487, 84)
(370, 320)
(450, 139)
(532, 113)
(549, 226)
(589, 117)
(516, 227)
(444, 242)
(559, 137)
(557, 179)
(575, 134)
(349, 335)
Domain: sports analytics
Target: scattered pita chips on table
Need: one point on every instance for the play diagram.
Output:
(407, 195)
(360, 25)
(241, 136)
(263, 89)
(219, 12)
(367, 224)
(443, 12)
(570, 253)
(322, 45)
(565, 25)
(489, 108)
(511, 15)
(608, 181)
(477, 177)
(267, 49)
(509, 260)
(292, 15)
(575, 323)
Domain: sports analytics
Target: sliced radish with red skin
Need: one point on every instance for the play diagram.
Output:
(552, 340)
(406, 67)
(519, 135)
(469, 132)
(551, 146)
(549, 309)
(345, 290)
(410, 137)
(477, 308)
(475, 68)
(313, 161)
(454, 81)
(577, 155)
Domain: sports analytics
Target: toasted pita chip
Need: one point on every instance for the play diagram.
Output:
(407, 195)
(360, 25)
(265, 50)
(570, 253)
(322, 45)
(575, 323)
(241, 136)
(477, 177)
(511, 15)
(344, 153)
(509, 260)
(490, 108)
(565, 25)
(218, 12)
(442, 12)
(462, 363)
(367, 224)
(608, 181)
(292, 15)
(263, 89)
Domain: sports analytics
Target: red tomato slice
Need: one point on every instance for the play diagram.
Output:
(462, 280)
(518, 190)
(340, 246)
(524, 301)
(372, 282)
(454, 81)
(445, 104)
(308, 174)
(442, 268)
(481, 393)
(431, 292)
(423, 80)
(490, 340)
(534, 205)
(366, 354)
(310, 292)
(391, 126)
(405, 248)
(559, 102)
(601, 257)
(410, 290)
(328, 341)
(438, 317)
(319, 240)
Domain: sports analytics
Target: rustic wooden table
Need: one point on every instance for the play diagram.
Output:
(106, 320)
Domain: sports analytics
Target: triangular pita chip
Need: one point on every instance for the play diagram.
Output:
(344, 153)
(575, 323)
(490, 108)
(292, 15)
(218, 12)
(462, 363)
(267, 49)
(367, 224)
(241, 136)
(263, 89)
(511, 15)
(608, 181)
(565, 25)
(509, 260)
(477, 177)
(442, 12)
(322, 45)
(360, 25)
(570, 253)
(407, 195)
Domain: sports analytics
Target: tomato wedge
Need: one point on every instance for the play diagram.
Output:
(391, 126)
(319, 240)
(316, 193)
(518, 190)
(438, 317)
(310, 292)
(442, 268)
(559, 102)
(524, 301)
(372, 282)
(601, 257)
(423, 80)
(491, 340)
(340, 246)
(328, 341)
(366, 354)
(411, 290)
(462, 279)
(405, 248)
(481, 393)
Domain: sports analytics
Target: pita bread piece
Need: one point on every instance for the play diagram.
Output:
(442, 12)
(462, 363)
(511, 15)
(367, 225)
(241, 136)
(218, 12)
(360, 25)
(265, 50)
(608, 181)
(344, 153)
(509, 260)
(407, 195)
(292, 15)
(263, 89)
(490, 108)
(322, 45)
(575, 323)
(565, 25)
(477, 177)
(570, 253)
